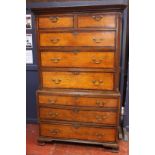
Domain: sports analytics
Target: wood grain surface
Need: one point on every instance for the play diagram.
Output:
(80, 80)
(78, 59)
(83, 133)
(98, 38)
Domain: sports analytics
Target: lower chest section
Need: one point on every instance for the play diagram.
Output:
(82, 116)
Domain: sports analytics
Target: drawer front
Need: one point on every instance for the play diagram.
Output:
(96, 20)
(99, 38)
(55, 100)
(80, 133)
(97, 102)
(79, 101)
(55, 22)
(81, 59)
(81, 80)
(79, 115)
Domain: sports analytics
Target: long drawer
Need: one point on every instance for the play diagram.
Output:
(96, 38)
(68, 131)
(79, 115)
(80, 80)
(80, 59)
(77, 101)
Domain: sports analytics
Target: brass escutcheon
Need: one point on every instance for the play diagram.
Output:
(55, 60)
(56, 81)
(97, 17)
(55, 40)
(54, 131)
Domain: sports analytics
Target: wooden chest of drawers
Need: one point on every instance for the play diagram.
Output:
(81, 116)
(79, 56)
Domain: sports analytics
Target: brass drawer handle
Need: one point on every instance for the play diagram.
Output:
(100, 103)
(97, 82)
(98, 40)
(54, 19)
(97, 18)
(51, 101)
(99, 136)
(55, 60)
(54, 131)
(56, 81)
(53, 114)
(95, 61)
(55, 40)
(101, 118)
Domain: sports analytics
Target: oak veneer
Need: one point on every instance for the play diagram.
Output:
(79, 115)
(77, 59)
(56, 22)
(69, 109)
(80, 80)
(98, 38)
(96, 20)
(78, 101)
(76, 132)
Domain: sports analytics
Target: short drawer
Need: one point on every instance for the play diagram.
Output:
(78, 101)
(96, 38)
(55, 100)
(79, 59)
(55, 22)
(98, 102)
(67, 131)
(97, 21)
(80, 80)
(79, 115)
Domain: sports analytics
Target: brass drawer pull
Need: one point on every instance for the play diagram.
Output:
(55, 40)
(53, 114)
(100, 103)
(55, 131)
(98, 40)
(97, 82)
(99, 136)
(55, 60)
(56, 81)
(54, 19)
(97, 18)
(51, 101)
(95, 61)
(101, 118)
